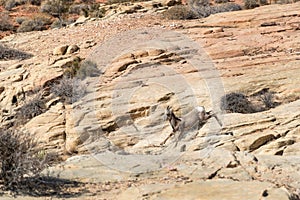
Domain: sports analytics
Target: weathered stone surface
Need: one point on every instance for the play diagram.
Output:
(61, 50)
(49, 128)
(208, 190)
(119, 124)
(72, 49)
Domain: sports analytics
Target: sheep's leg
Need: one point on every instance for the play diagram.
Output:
(200, 125)
(180, 135)
(163, 142)
(218, 120)
(211, 114)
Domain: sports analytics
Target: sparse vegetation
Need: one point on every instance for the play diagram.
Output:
(199, 9)
(236, 103)
(32, 107)
(250, 4)
(7, 53)
(69, 90)
(179, 12)
(38, 23)
(55, 7)
(268, 100)
(5, 24)
(121, 1)
(20, 160)
(10, 4)
(221, 1)
(92, 10)
(240, 103)
(82, 69)
(87, 69)
(20, 20)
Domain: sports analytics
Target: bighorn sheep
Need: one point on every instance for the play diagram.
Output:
(194, 119)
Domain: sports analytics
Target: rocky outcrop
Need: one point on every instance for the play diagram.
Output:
(112, 135)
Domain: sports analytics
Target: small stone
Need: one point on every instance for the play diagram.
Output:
(209, 31)
(218, 30)
(17, 78)
(16, 66)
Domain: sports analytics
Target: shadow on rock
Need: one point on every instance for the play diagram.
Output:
(48, 187)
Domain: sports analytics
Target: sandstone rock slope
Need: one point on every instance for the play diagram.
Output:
(110, 138)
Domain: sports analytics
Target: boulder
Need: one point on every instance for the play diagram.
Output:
(61, 50)
(72, 49)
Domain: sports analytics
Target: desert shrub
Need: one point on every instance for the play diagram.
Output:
(205, 11)
(87, 68)
(20, 159)
(263, 2)
(55, 7)
(221, 1)
(81, 69)
(179, 12)
(5, 24)
(38, 23)
(250, 4)
(9, 4)
(7, 53)
(78, 8)
(268, 100)
(59, 23)
(236, 102)
(69, 90)
(20, 20)
(32, 107)
(199, 9)
(198, 3)
(96, 11)
(35, 2)
(228, 7)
